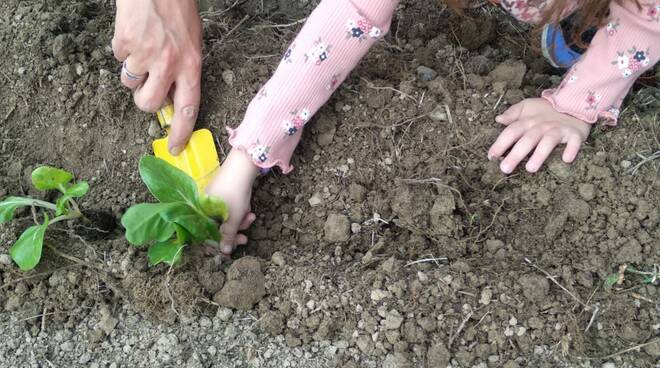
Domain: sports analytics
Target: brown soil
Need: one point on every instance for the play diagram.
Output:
(390, 178)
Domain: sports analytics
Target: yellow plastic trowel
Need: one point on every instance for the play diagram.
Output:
(199, 159)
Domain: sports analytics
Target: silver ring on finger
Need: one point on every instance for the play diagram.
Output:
(130, 75)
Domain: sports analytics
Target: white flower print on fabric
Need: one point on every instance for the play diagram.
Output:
(614, 111)
(259, 153)
(319, 53)
(612, 27)
(631, 61)
(296, 123)
(362, 29)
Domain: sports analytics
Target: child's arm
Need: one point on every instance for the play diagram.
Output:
(593, 89)
(334, 39)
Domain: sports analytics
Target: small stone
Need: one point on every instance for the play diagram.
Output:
(653, 349)
(378, 295)
(390, 265)
(508, 332)
(79, 69)
(107, 322)
(486, 295)
(154, 130)
(21, 71)
(224, 314)
(357, 192)
(625, 164)
(278, 259)
(228, 77)
(315, 200)
(393, 320)
(426, 74)
(272, 322)
(513, 321)
(337, 228)
(356, 228)
(438, 114)
(5, 259)
(521, 331)
(422, 277)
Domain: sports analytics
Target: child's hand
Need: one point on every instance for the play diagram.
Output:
(533, 124)
(233, 184)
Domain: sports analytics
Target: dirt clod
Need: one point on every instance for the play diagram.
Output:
(535, 287)
(244, 286)
(337, 228)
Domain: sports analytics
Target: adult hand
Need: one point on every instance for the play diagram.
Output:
(160, 43)
(534, 125)
(233, 184)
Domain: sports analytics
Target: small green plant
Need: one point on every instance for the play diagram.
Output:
(183, 216)
(648, 277)
(26, 252)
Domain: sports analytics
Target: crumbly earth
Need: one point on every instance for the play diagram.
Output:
(395, 243)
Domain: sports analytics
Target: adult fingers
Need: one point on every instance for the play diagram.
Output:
(149, 96)
(573, 145)
(119, 48)
(522, 148)
(133, 72)
(506, 139)
(186, 105)
(543, 150)
(511, 114)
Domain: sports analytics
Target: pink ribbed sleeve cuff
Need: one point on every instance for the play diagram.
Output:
(624, 49)
(333, 40)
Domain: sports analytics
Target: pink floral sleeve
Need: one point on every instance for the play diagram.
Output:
(334, 39)
(596, 85)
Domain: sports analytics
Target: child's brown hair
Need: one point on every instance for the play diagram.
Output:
(589, 13)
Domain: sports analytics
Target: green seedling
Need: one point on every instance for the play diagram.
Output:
(26, 252)
(648, 277)
(182, 216)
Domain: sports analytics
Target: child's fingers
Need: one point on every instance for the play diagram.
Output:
(511, 114)
(247, 221)
(241, 239)
(573, 146)
(506, 139)
(543, 150)
(522, 148)
(186, 105)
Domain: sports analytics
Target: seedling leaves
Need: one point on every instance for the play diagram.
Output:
(9, 206)
(199, 226)
(143, 223)
(166, 182)
(26, 252)
(213, 207)
(168, 252)
(46, 178)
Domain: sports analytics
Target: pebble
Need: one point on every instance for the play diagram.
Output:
(393, 320)
(438, 114)
(228, 76)
(486, 295)
(426, 74)
(378, 295)
(5, 259)
(278, 259)
(513, 321)
(224, 314)
(315, 200)
(355, 228)
(587, 191)
(154, 130)
(21, 70)
(625, 164)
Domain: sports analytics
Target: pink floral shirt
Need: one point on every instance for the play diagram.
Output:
(340, 32)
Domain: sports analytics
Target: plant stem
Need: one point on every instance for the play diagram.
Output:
(70, 216)
(44, 204)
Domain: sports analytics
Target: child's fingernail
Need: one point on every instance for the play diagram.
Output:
(490, 156)
(531, 167)
(498, 118)
(505, 168)
(227, 249)
(176, 150)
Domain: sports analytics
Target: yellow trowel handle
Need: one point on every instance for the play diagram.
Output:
(166, 115)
